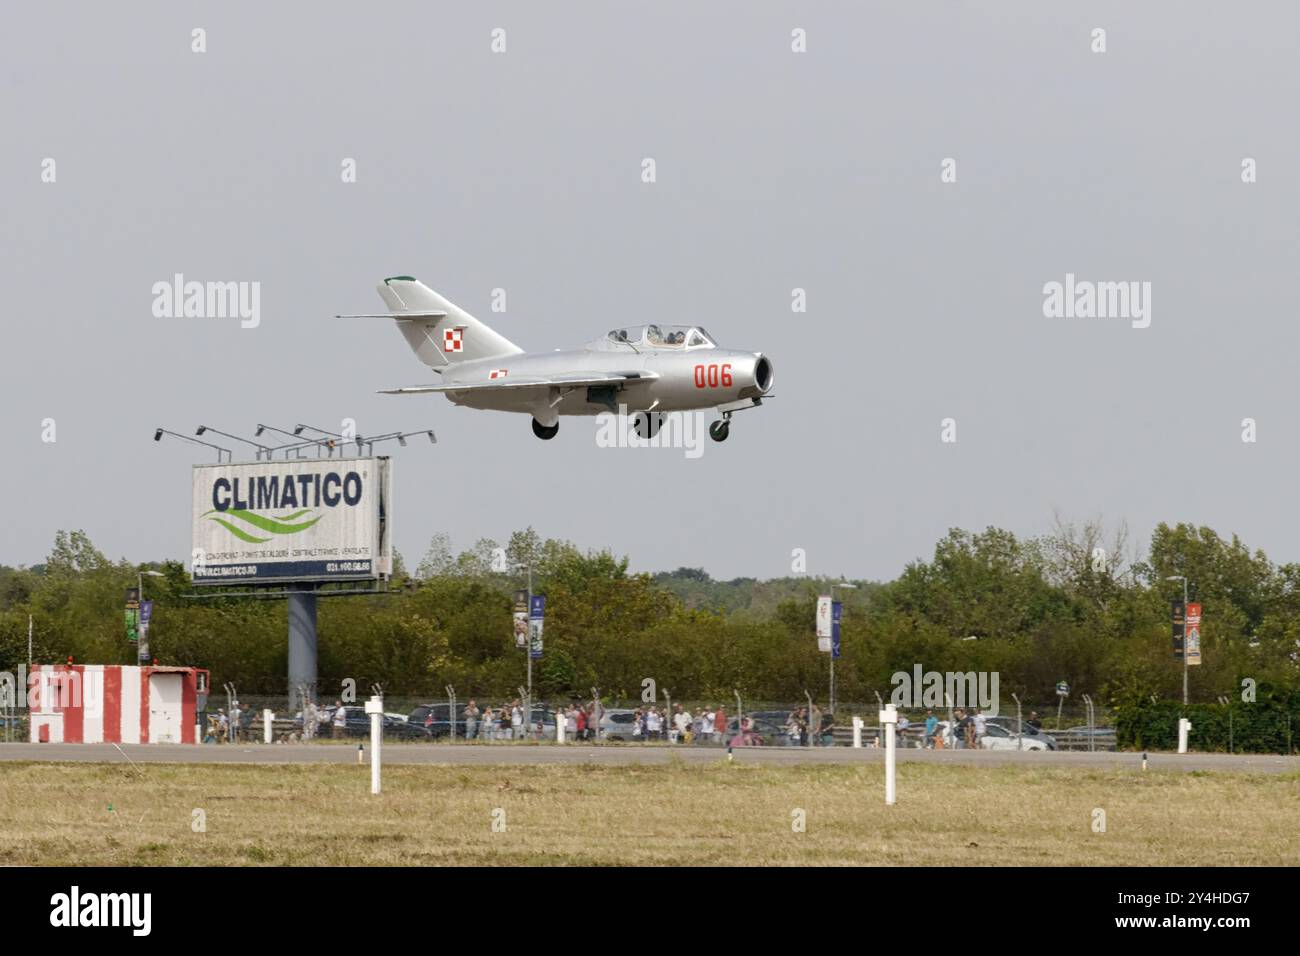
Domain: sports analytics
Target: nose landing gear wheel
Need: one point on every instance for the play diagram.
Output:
(543, 432)
(719, 431)
(647, 424)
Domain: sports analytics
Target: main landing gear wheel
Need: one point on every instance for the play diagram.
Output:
(719, 431)
(543, 432)
(646, 424)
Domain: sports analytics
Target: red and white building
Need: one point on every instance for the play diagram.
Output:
(114, 703)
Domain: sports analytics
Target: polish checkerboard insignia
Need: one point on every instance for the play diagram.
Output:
(453, 340)
(498, 373)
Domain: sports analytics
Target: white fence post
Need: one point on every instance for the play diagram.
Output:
(375, 708)
(268, 721)
(888, 723)
(857, 733)
(1184, 727)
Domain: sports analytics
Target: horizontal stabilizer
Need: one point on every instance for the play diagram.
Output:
(393, 315)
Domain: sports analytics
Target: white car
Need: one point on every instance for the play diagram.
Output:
(616, 724)
(997, 737)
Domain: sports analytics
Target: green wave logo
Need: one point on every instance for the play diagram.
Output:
(253, 522)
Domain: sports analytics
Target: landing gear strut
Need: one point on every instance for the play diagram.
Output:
(544, 432)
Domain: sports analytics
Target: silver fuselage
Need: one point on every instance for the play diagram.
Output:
(677, 380)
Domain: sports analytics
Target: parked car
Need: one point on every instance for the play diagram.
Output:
(1009, 725)
(616, 724)
(356, 722)
(432, 721)
(544, 721)
(759, 732)
(997, 737)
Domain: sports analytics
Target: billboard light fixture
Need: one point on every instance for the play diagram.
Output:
(261, 449)
(160, 431)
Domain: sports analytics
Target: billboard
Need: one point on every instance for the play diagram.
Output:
(310, 519)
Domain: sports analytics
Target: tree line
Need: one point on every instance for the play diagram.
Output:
(1069, 605)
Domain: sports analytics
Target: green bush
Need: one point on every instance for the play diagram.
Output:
(1266, 726)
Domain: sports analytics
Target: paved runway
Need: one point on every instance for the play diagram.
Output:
(615, 755)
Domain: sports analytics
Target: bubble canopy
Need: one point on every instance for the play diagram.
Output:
(660, 337)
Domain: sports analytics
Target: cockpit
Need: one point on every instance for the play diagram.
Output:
(660, 337)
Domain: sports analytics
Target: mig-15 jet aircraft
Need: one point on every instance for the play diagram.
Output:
(648, 370)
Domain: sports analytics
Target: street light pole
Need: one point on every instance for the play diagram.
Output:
(528, 636)
(1183, 578)
(139, 580)
(1184, 641)
(139, 591)
(528, 647)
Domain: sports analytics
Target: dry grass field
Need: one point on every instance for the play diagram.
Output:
(119, 815)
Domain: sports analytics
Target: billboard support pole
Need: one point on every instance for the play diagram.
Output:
(302, 642)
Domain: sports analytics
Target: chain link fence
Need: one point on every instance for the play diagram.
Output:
(596, 718)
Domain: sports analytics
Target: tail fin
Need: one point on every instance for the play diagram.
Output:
(439, 333)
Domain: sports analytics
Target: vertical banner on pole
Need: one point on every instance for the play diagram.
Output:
(146, 614)
(824, 623)
(1178, 628)
(521, 619)
(132, 614)
(1193, 634)
(536, 615)
(836, 610)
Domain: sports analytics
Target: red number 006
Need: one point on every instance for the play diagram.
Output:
(711, 375)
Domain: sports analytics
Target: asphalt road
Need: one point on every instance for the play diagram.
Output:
(616, 755)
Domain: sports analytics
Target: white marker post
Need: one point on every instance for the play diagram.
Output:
(268, 724)
(857, 733)
(375, 708)
(559, 727)
(1184, 728)
(888, 722)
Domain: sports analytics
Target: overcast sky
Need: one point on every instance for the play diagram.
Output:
(775, 170)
